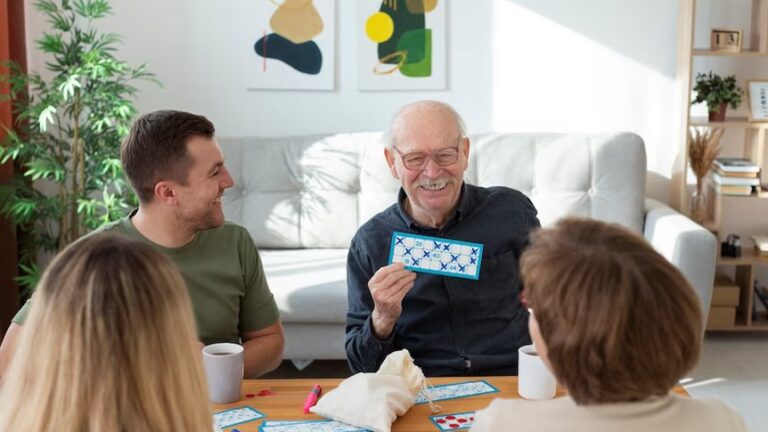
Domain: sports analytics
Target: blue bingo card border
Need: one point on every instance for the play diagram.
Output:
(289, 424)
(493, 390)
(441, 241)
(246, 407)
(434, 418)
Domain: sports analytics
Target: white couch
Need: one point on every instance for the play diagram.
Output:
(303, 198)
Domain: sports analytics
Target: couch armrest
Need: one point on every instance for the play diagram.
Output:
(688, 245)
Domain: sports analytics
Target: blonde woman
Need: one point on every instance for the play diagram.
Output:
(110, 346)
(618, 325)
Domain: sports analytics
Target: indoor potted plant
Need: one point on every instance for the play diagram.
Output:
(718, 93)
(65, 145)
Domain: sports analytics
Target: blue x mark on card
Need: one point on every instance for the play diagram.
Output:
(436, 255)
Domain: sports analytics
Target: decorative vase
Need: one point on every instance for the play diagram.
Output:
(719, 115)
(699, 203)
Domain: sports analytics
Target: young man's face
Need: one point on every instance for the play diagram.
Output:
(200, 198)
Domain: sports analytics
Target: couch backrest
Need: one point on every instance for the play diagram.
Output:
(315, 191)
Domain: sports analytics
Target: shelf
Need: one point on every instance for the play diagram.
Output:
(740, 328)
(743, 53)
(730, 122)
(747, 257)
(762, 194)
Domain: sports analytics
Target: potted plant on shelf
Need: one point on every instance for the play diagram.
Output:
(65, 144)
(718, 93)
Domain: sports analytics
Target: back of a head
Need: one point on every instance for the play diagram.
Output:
(156, 149)
(109, 345)
(619, 321)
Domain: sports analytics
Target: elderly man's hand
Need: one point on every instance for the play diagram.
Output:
(388, 286)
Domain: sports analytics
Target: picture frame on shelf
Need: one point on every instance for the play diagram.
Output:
(728, 40)
(757, 97)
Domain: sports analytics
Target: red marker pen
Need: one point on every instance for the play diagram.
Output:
(312, 398)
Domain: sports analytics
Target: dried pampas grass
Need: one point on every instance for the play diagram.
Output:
(703, 148)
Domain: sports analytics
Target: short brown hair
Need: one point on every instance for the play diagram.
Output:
(156, 149)
(619, 321)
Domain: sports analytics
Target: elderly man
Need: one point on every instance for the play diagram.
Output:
(451, 326)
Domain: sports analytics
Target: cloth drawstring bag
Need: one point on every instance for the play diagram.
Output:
(374, 400)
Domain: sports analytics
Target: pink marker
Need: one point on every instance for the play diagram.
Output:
(312, 398)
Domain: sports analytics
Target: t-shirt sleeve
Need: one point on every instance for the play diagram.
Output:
(258, 309)
(21, 315)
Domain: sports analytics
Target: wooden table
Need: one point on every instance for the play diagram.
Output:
(287, 400)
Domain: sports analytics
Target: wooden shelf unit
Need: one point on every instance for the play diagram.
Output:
(755, 45)
(743, 53)
(755, 48)
(745, 279)
(730, 122)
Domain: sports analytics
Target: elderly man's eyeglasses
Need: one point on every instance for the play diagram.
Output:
(417, 160)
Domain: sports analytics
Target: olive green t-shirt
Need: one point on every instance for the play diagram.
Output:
(224, 277)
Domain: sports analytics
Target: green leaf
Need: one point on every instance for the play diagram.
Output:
(715, 90)
(46, 6)
(51, 43)
(111, 166)
(67, 88)
(92, 8)
(29, 276)
(45, 117)
(22, 210)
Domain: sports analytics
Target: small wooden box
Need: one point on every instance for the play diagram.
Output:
(725, 292)
(721, 316)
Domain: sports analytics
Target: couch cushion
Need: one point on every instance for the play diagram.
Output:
(309, 285)
(601, 176)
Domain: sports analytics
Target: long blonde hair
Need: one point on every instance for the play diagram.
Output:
(109, 346)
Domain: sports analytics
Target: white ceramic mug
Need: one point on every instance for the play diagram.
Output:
(534, 381)
(223, 363)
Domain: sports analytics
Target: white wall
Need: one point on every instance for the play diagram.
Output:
(514, 65)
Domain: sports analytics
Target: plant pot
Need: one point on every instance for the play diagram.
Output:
(719, 115)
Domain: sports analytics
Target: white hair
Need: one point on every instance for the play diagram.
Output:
(389, 134)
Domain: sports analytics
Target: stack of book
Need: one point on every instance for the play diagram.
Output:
(735, 176)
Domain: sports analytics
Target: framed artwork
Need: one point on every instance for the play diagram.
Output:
(401, 44)
(290, 44)
(726, 40)
(757, 95)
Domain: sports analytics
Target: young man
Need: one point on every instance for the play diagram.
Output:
(451, 326)
(176, 167)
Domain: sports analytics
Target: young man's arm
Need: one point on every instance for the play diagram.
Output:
(8, 347)
(263, 350)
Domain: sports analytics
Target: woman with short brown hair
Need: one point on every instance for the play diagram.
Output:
(618, 326)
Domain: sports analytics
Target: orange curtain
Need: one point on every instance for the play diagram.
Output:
(11, 47)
